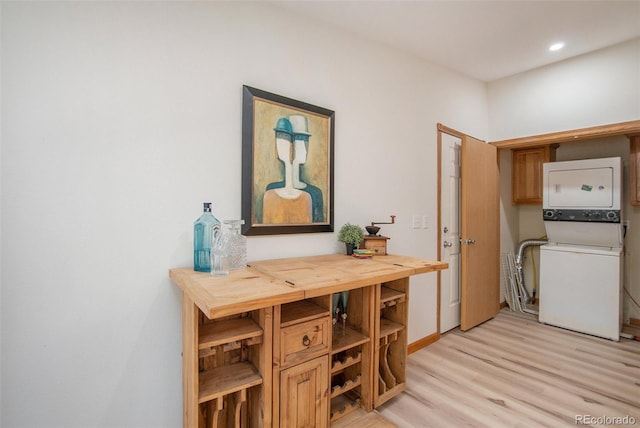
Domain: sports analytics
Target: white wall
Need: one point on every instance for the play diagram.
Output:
(509, 216)
(595, 89)
(119, 120)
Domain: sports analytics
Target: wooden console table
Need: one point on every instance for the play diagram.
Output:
(261, 347)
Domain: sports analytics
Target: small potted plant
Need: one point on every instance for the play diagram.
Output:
(351, 235)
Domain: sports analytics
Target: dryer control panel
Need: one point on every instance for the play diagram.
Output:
(595, 216)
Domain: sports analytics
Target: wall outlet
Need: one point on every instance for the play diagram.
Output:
(625, 224)
(416, 221)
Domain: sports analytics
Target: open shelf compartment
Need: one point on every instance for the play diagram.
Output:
(225, 380)
(218, 333)
(304, 310)
(346, 339)
(390, 297)
(343, 405)
(353, 356)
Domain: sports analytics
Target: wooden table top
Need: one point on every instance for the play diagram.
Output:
(278, 281)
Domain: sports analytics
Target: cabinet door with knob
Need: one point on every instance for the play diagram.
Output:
(526, 173)
(304, 393)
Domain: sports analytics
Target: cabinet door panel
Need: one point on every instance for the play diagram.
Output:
(526, 178)
(304, 392)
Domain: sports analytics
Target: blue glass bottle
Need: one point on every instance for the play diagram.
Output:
(206, 230)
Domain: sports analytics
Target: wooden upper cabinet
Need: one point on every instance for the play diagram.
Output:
(526, 173)
(634, 170)
(529, 153)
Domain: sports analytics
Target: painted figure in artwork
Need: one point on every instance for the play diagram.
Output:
(301, 137)
(292, 201)
(282, 202)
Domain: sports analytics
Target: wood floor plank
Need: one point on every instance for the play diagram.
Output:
(579, 373)
(361, 419)
(559, 362)
(477, 401)
(617, 362)
(494, 381)
(515, 372)
(570, 362)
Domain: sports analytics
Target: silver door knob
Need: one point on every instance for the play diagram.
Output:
(469, 241)
(447, 244)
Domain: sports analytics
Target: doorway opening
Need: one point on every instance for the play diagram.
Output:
(449, 230)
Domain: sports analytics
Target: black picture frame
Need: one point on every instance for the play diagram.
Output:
(286, 188)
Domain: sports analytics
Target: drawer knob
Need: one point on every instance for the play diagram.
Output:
(306, 341)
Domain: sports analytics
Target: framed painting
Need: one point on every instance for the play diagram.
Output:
(287, 165)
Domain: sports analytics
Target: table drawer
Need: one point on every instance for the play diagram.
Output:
(379, 247)
(301, 342)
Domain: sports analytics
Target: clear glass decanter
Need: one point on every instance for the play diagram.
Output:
(235, 245)
(219, 258)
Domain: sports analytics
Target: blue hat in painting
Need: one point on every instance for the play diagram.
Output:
(283, 125)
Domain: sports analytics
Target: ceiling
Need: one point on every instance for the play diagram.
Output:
(486, 40)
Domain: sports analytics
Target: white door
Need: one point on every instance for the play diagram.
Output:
(450, 231)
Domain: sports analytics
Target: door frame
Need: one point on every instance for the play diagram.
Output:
(442, 129)
(445, 278)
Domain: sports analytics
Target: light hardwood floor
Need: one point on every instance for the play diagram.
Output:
(515, 372)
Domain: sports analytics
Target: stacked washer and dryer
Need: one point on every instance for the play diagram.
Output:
(581, 265)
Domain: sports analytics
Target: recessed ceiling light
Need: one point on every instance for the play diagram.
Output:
(556, 46)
